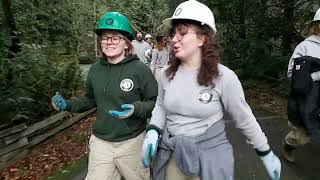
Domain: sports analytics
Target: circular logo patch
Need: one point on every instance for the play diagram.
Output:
(206, 95)
(178, 11)
(126, 85)
(109, 21)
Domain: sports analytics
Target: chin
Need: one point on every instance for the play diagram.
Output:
(177, 55)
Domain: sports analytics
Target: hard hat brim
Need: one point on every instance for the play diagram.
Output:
(124, 33)
(168, 24)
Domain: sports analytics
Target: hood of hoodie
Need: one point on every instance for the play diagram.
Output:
(314, 38)
(130, 58)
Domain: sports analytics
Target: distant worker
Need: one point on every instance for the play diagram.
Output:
(140, 46)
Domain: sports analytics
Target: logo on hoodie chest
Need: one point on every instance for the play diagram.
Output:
(126, 85)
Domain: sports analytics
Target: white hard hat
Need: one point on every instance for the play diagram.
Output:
(147, 36)
(193, 10)
(317, 16)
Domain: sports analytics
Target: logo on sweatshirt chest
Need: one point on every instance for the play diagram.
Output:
(207, 95)
(126, 85)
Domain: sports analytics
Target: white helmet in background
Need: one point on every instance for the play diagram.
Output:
(317, 16)
(147, 36)
(193, 10)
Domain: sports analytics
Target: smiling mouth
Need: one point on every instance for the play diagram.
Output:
(110, 48)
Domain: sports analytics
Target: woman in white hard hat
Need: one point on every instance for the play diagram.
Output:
(301, 130)
(194, 91)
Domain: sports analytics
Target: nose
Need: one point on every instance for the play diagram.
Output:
(174, 38)
(109, 40)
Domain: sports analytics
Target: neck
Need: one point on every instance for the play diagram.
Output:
(116, 60)
(193, 61)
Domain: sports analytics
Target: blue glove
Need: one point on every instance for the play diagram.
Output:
(58, 103)
(272, 164)
(149, 147)
(128, 110)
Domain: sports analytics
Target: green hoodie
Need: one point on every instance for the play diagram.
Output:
(108, 86)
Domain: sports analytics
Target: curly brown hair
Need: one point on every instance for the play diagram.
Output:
(211, 55)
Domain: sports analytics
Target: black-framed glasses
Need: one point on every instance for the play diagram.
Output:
(180, 31)
(114, 39)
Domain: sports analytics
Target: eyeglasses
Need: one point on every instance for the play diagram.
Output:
(114, 39)
(180, 31)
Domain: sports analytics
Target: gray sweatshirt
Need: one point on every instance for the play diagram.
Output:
(190, 109)
(309, 47)
(139, 48)
(159, 58)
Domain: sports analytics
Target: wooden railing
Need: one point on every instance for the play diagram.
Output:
(16, 142)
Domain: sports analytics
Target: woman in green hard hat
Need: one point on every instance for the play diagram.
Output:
(124, 91)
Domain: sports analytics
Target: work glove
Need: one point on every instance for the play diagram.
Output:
(272, 164)
(149, 147)
(315, 76)
(128, 110)
(58, 103)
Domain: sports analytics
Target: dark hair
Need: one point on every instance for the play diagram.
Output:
(159, 38)
(160, 43)
(211, 55)
(315, 28)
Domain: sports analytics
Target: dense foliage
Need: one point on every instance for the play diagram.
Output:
(40, 47)
(43, 41)
(258, 37)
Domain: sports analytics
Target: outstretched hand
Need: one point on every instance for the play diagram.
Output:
(58, 103)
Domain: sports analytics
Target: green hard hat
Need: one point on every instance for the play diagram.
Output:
(115, 21)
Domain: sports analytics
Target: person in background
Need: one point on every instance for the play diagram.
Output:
(160, 56)
(124, 92)
(140, 46)
(148, 39)
(302, 128)
(194, 92)
(148, 52)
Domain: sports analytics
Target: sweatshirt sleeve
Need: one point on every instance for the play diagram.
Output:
(298, 52)
(143, 108)
(159, 113)
(153, 59)
(236, 106)
(84, 103)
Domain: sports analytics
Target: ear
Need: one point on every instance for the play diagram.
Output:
(201, 40)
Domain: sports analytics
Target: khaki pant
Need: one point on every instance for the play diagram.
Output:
(174, 173)
(113, 160)
(297, 136)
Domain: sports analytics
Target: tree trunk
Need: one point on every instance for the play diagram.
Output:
(15, 41)
(242, 20)
(288, 25)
